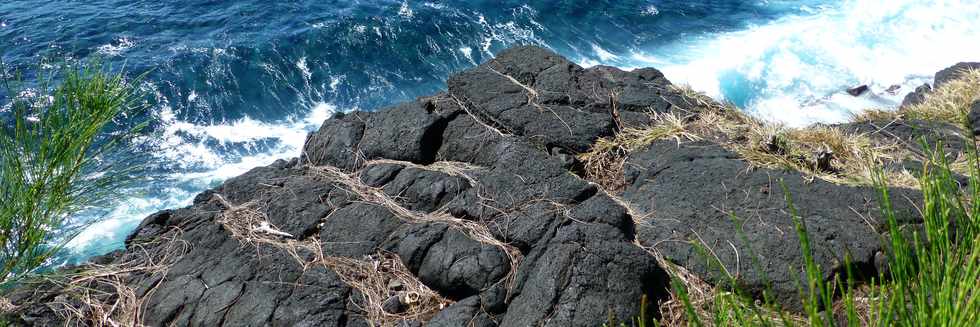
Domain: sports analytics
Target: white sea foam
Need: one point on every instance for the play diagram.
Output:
(405, 10)
(603, 54)
(795, 69)
(508, 32)
(303, 68)
(197, 150)
(650, 10)
(117, 47)
(468, 54)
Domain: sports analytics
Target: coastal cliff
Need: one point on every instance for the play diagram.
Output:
(478, 207)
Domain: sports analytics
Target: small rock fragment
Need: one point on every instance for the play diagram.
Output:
(395, 285)
(858, 90)
(893, 89)
(916, 97)
(393, 305)
(823, 160)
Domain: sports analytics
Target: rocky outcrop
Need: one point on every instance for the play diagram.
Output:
(916, 97)
(699, 197)
(941, 78)
(470, 190)
(465, 208)
(953, 72)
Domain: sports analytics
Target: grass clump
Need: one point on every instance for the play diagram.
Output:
(53, 160)
(949, 103)
(824, 152)
(931, 278)
(604, 163)
(101, 295)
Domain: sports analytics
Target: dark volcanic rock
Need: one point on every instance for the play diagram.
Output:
(953, 72)
(336, 142)
(916, 97)
(532, 92)
(691, 192)
(449, 260)
(942, 77)
(467, 312)
(481, 208)
(858, 90)
(974, 118)
(911, 133)
(580, 272)
(424, 190)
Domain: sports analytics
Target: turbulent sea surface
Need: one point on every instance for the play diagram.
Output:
(237, 84)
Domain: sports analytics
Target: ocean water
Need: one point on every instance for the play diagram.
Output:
(237, 84)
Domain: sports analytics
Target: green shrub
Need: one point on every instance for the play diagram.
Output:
(54, 143)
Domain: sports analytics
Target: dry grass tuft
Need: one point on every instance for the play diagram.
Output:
(950, 102)
(827, 153)
(100, 295)
(705, 300)
(381, 279)
(876, 114)
(248, 223)
(820, 152)
(604, 162)
(451, 168)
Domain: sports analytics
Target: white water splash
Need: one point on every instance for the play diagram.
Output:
(116, 47)
(192, 147)
(796, 69)
(406, 11)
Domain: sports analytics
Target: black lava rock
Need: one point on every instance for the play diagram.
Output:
(974, 118)
(953, 72)
(857, 90)
(916, 97)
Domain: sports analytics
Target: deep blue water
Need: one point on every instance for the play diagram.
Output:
(235, 84)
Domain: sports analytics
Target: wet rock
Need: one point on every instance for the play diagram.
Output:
(893, 89)
(857, 90)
